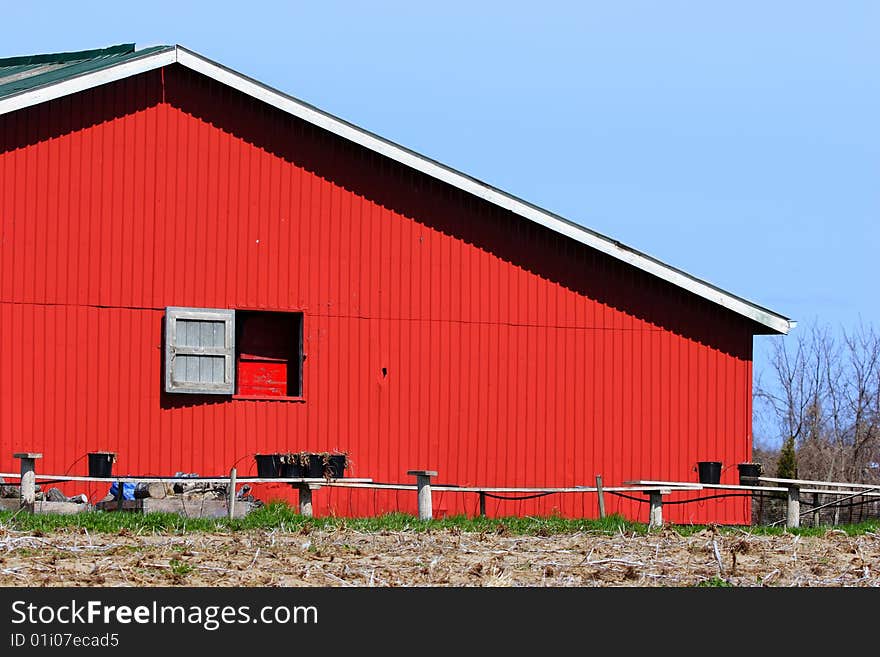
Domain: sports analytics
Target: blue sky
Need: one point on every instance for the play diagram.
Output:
(738, 141)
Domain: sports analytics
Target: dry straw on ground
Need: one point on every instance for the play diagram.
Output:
(436, 558)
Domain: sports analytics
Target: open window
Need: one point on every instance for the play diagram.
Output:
(269, 353)
(246, 353)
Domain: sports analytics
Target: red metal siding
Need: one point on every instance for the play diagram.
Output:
(440, 332)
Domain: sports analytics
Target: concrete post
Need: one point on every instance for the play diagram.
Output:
(423, 483)
(793, 509)
(655, 515)
(305, 500)
(28, 490)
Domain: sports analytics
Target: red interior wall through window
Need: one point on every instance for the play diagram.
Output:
(268, 354)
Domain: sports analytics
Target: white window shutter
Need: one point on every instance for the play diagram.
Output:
(200, 350)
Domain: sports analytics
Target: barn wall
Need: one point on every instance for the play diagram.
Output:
(511, 355)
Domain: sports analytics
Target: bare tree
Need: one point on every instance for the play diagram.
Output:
(824, 394)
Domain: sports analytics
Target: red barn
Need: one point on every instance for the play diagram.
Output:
(195, 268)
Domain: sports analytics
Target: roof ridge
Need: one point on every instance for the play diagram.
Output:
(65, 57)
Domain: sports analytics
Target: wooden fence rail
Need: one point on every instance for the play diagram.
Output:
(654, 491)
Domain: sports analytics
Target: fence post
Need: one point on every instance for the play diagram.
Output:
(119, 495)
(423, 483)
(655, 515)
(230, 493)
(793, 509)
(815, 513)
(28, 490)
(305, 500)
(482, 504)
(601, 493)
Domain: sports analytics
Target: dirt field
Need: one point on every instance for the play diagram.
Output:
(436, 558)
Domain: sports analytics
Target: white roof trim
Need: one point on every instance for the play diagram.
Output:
(337, 126)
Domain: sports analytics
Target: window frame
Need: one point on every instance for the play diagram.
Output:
(298, 359)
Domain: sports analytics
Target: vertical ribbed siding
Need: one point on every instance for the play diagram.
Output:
(512, 356)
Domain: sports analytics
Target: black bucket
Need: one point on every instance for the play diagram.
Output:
(336, 467)
(101, 464)
(710, 472)
(316, 466)
(268, 465)
(749, 473)
(291, 469)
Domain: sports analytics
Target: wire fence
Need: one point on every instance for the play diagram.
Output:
(768, 508)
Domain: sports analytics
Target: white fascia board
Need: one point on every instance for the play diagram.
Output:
(87, 81)
(439, 171)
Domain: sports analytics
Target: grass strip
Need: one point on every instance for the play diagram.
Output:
(280, 516)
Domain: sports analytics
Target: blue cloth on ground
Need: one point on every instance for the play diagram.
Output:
(127, 490)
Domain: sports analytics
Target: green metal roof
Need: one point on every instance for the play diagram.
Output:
(21, 74)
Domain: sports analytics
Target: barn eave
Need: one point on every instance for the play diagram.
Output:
(51, 79)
